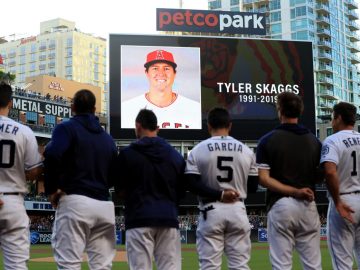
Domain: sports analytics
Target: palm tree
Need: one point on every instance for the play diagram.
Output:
(7, 77)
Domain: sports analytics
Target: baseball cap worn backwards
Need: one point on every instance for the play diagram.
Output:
(160, 56)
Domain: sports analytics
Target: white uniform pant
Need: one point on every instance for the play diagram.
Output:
(293, 224)
(226, 229)
(84, 224)
(162, 243)
(14, 233)
(343, 237)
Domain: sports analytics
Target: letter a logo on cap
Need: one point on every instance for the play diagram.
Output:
(159, 55)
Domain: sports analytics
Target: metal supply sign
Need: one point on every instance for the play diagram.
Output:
(210, 21)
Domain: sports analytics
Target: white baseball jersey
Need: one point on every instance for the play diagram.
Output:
(18, 152)
(343, 149)
(183, 113)
(223, 163)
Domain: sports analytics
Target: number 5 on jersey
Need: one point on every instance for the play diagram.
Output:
(221, 165)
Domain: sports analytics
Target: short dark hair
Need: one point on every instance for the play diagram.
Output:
(5, 94)
(290, 105)
(84, 101)
(219, 118)
(347, 112)
(147, 119)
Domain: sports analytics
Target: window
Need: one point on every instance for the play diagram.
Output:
(329, 131)
(69, 42)
(275, 4)
(68, 70)
(31, 117)
(234, 2)
(275, 16)
(33, 48)
(215, 4)
(298, 11)
(236, 8)
(299, 24)
(275, 28)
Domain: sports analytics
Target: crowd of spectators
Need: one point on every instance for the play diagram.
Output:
(37, 95)
(41, 223)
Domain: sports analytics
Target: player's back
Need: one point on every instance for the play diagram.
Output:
(14, 140)
(343, 148)
(224, 162)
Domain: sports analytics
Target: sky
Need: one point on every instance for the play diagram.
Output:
(95, 17)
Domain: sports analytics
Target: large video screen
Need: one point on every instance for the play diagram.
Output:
(181, 78)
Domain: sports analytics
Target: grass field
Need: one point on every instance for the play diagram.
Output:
(259, 258)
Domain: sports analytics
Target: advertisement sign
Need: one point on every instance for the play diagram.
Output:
(262, 235)
(242, 75)
(40, 237)
(210, 21)
(41, 107)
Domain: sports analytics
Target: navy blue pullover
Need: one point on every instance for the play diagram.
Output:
(293, 154)
(79, 158)
(151, 175)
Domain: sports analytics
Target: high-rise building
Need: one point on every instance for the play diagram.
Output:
(59, 50)
(332, 27)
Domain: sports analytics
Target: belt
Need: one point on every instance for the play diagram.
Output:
(353, 192)
(10, 193)
(206, 201)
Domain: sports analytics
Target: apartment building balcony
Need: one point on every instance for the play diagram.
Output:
(352, 15)
(323, 32)
(324, 44)
(321, 8)
(325, 80)
(329, 94)
(322, 20)
(351, 4)
(324, 55)
(325, 69)
(326, 105)
(353, 26)
(42, 48)
(249, 2)
(355, 59)
(11, 55)
(355, 48)
(353, 36)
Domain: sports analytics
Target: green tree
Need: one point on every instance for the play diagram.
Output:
(7, 77)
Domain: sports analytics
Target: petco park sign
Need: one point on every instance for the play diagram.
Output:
(188, 20)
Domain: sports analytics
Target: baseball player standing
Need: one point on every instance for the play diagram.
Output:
(288, 158)
(78, 164)
(340, 157)
(151, 171)
(222, 162)
(19, 160)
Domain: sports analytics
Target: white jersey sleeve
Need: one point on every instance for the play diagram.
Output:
(191, 166)
(32, 158)
(19, 151)
(343, 149)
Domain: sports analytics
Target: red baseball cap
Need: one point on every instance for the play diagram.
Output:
(160, 56)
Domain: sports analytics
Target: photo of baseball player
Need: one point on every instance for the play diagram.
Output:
(288, 158)
(340, 158)
(78, 165)
(223, 163)
(176, 106)
(20, 160)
